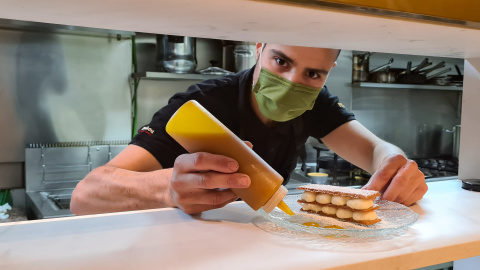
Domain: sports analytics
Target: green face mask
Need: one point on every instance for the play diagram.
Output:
(280, 99)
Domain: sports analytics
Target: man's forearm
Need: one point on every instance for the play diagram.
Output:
(382, 151)
(109, 189)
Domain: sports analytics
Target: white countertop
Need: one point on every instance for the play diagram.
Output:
(447, 230)
(260, 21)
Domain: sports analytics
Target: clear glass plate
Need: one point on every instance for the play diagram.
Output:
(396, 218)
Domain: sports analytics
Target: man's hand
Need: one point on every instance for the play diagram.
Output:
(202, 181)
(399, 180)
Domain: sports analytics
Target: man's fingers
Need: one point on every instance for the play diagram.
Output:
(214, 180)
(389, 168)
(249, 144)
(206, 197)
(205, 162)
(401, 186)
(416, 195)
(198, 207)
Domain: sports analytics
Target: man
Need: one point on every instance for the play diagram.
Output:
(276, 106)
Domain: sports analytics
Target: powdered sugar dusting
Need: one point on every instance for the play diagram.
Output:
(337, 190)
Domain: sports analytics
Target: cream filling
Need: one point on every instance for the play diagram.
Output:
(359, 204)
(340, 212)
(309, 196)
(312, 207)
(339, 200)
(323, 198)
(370, 215)
(344, 213)
(329, 210)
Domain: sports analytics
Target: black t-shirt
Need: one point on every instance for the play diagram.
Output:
(228, 99)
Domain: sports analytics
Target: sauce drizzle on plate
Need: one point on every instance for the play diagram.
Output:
(314, 224)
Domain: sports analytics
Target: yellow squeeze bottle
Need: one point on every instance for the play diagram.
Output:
(197, 130)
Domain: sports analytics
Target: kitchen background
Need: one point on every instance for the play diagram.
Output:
(64, 84)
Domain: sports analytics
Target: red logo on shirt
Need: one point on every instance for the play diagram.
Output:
(148, 130)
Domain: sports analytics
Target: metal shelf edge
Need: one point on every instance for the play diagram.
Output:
(406, 86)
(172, 76)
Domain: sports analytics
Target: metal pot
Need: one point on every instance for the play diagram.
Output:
(386, 76)
(176, 54)
(382, 74)
(361, 65)
(454, 80)
(244, 56)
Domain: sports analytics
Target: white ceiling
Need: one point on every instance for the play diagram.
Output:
(251, 20)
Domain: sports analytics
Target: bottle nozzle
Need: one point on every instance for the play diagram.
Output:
(277, 200)
(284, 207)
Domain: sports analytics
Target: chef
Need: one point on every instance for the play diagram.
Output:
(274, 107)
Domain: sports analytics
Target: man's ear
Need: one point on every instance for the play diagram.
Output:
(258, 49)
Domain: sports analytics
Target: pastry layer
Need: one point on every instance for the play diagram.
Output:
(343, 191)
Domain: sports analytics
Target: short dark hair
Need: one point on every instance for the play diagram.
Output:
(339, 50)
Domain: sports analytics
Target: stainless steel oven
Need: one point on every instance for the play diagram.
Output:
(53, 170)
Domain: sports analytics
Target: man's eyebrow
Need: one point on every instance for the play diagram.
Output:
(281, 54)
(291, 61)
(321, 71)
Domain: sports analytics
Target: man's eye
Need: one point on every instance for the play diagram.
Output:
(313, 75)
(280, 61)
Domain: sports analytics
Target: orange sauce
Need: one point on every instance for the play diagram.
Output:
(194, 128)
(333, 227)
(311, 224)
(314, 224)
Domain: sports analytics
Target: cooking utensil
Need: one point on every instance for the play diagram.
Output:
(383, 76)
(438, 73)
(389, 75)
(417, 68)
(382, 66)
(457, 78)
(437, 66)
(452, 80)
(422, 64)
(411, 78)
(458, 71)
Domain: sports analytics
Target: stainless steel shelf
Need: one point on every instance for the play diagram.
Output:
(406, 86)
(63, 29)
(173, 76)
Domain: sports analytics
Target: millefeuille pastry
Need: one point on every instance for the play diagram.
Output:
(350, 204)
